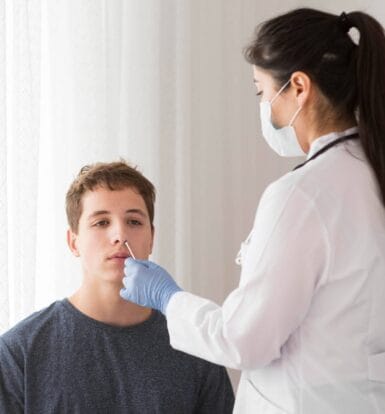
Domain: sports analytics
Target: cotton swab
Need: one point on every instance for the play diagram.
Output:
(129, 249)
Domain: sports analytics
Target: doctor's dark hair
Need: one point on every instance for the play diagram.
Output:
(111, 176)
(350, 76)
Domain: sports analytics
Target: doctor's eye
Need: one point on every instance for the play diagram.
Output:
(259, 93)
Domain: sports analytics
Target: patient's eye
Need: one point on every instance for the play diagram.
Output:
(101, 223)
(134, 222)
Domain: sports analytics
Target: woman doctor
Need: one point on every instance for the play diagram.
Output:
(306, 323)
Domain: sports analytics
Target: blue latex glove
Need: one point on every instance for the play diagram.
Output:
(147, 284)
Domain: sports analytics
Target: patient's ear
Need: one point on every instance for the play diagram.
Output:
(72, 242)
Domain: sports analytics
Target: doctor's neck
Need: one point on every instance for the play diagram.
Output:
(310, 128)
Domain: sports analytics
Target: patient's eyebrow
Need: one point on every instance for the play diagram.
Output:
(137, 211)
(98, 213)
(106, 212)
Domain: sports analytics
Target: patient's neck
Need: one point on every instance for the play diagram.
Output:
(103, 303)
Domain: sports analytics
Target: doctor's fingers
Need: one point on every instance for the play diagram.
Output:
(131, 294)
(132, 267)
(148, 264)
(137, 263)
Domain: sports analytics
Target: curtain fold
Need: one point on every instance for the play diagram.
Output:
(19, 155)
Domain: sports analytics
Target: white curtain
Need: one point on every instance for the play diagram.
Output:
(19, 152)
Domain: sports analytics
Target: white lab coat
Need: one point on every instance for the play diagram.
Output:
(307, 323)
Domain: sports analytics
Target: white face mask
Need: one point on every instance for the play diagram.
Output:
(283, 140)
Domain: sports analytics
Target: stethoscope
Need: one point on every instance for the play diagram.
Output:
(238, 259)
(327, 147)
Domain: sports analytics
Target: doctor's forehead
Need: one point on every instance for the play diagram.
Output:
(261, 75)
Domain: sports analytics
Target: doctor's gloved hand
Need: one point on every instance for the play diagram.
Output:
(147, 284)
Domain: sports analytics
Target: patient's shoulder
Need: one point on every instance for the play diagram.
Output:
(25, 330)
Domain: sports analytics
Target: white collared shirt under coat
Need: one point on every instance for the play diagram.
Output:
(306, 324)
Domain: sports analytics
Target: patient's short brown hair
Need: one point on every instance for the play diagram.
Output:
(113, 176)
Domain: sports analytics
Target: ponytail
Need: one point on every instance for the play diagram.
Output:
(351, 76)
(370, 87)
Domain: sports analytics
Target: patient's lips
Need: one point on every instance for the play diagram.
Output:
(119, 256)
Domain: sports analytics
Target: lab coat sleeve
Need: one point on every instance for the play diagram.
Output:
(287, 258)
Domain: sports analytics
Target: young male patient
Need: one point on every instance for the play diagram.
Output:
(94, 352)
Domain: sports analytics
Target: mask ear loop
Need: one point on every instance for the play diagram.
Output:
(295, 116)
(279, 92)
